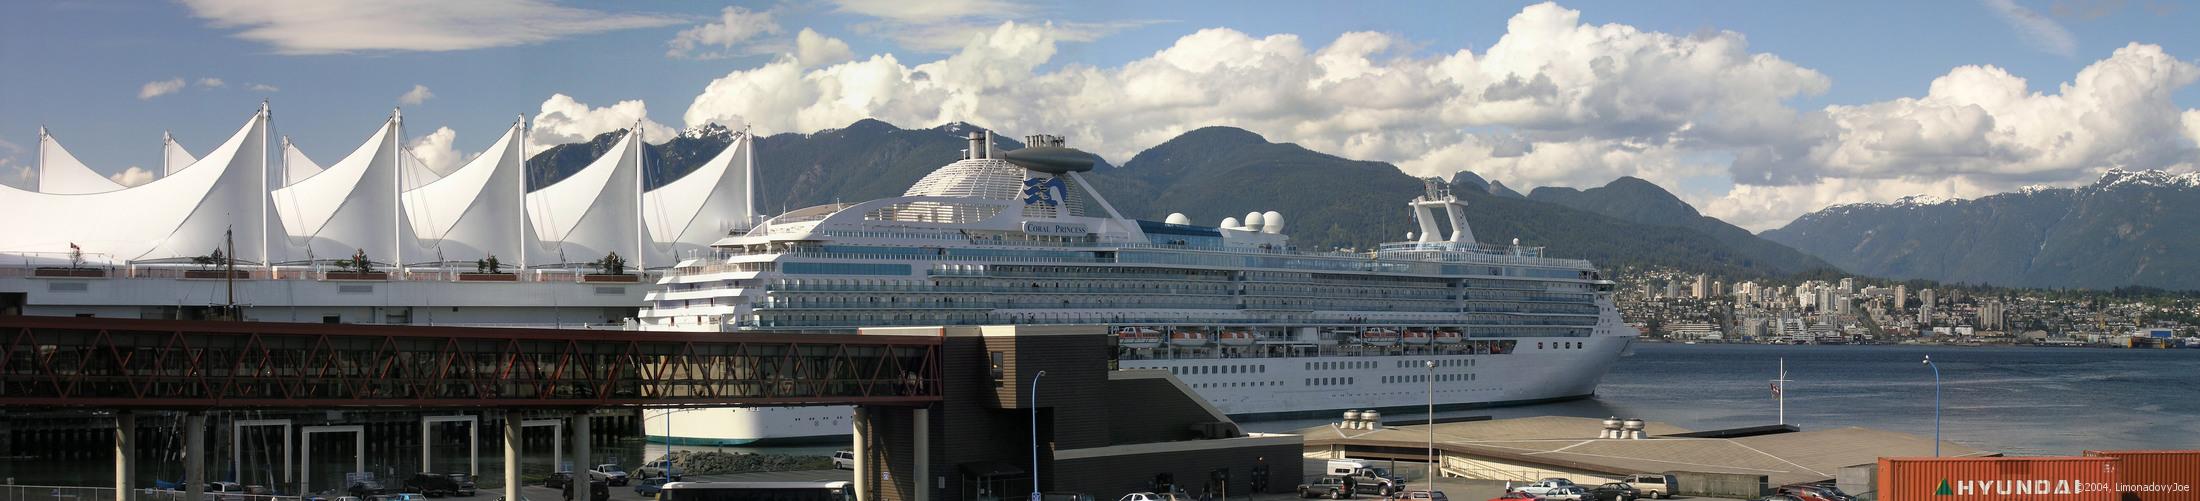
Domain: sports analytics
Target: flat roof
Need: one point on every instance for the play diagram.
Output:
(1570, 443)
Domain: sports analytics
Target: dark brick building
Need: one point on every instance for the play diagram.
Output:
(1100, 431)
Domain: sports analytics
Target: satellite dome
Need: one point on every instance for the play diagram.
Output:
(1271, 222)
(1252, 221)
(1230, 222)
(1177, 218)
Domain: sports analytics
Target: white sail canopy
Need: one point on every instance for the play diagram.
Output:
(60, 173)
(296, 167)
(351, 206)
(172, 156)
(172, 218)
(703, 206)
(476, 212)
(592, 213)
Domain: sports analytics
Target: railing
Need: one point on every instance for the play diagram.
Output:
(309, 273)
(1311, 350)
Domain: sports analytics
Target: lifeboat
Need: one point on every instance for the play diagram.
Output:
(1416, 337)
(1379, 337)
(1187, 338)
(1235, 338)
(1138, 337)
(1450, 337)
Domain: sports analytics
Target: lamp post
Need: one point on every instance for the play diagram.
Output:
(1035, 434)
(1431, 364)
(1936, 404)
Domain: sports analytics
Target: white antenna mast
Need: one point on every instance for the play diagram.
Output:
(1779, 390)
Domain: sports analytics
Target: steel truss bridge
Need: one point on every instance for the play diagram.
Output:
(126, 364)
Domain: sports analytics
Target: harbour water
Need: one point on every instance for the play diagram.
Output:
(2016, 400)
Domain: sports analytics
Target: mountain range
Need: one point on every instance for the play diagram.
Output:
(2127, 228)
(1216, 172)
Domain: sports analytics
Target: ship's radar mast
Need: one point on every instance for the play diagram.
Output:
(1437, 193)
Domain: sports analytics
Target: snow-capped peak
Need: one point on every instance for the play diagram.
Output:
(2149, 178)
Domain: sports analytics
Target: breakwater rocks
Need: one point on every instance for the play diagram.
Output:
(708, 462)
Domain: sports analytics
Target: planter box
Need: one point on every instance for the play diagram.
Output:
(353, 275)
(487, 277)
(215, 274)
(69, 272)
(620, 279)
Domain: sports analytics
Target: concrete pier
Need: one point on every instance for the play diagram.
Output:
(512, 424)
(125, 456)
(194, 455)
(581, 462)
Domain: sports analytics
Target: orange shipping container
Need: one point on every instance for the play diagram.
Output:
(2157, 475)
(1998, 479)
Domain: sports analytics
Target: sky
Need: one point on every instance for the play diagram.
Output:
(1754, 112)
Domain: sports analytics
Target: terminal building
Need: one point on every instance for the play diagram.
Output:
(1098, 431)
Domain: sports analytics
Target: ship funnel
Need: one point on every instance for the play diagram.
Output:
(1632, 428)
(977, 147)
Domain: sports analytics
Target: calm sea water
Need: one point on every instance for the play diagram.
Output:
(2021, 401)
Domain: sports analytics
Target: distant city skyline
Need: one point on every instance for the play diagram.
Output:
(1754, 113)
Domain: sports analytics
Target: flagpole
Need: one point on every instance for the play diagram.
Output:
(1780, 390)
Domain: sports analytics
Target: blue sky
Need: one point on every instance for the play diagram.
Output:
(84, 68)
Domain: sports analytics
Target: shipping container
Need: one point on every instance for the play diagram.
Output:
(1998, 479)
(2157, 475)
(1719, 485)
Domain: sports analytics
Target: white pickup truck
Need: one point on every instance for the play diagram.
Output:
(610, 474)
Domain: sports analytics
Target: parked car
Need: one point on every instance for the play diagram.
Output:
(1814, 492)
(1615, 491)
(648, 487)
(1564, 493)
(557, 479)
(1539, 487)
(258, 490)
(845, 460)
(598, 491)
(1422, 496)
(367, 487)
(1147, 496)
(660, 469)
(610, 474)
(1513, 496)
(432, 485)
(1654, 485)
(1330, 486)
(465, 484)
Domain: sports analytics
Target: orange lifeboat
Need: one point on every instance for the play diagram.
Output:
(1379, 337)
(1138, 337)
(1450, 337)
(1235, 338)
(1187, 338)
(1417, 337)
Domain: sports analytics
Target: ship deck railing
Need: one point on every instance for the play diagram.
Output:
(301, 272)
(1435, 252)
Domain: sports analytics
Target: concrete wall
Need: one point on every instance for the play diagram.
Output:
(1720, 485)
(1487, 469)
(1112, 476)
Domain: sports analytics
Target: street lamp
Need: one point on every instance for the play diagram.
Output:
(1936, 404)
(1035, 435)
(1431, 364)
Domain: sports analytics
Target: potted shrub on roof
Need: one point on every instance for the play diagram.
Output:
(211, 265)
(76, 267)
(358, 268)
(611, 268)
(488, 270)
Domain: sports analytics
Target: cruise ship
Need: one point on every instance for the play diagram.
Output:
(1247, 320)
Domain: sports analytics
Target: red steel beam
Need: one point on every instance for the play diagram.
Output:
(128, 363)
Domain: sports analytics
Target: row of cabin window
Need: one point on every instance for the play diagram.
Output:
(1457, 362)
(1218, 369)
(1423, 378)
(1330, 366)
(1561, 346)
(1330, 381)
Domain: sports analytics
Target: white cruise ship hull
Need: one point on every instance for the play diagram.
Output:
(1540, 370)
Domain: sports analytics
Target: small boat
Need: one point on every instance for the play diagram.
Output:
(1187, 338)
(1450, 337)
(1379, 337)
(1138, 337)
(1417, 337)
(1235, 338)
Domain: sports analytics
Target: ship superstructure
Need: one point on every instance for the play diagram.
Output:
(1252, 323)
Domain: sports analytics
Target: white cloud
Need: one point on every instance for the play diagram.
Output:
(814, 49)
(160, 88)
(211, 82)
(132, 176)
(418, 94)
(717, 40)
(260, 87)
(565, 120)
(2038, 30)
(439, 151)
(306, 28)
(925, 12)
(1555, 101)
